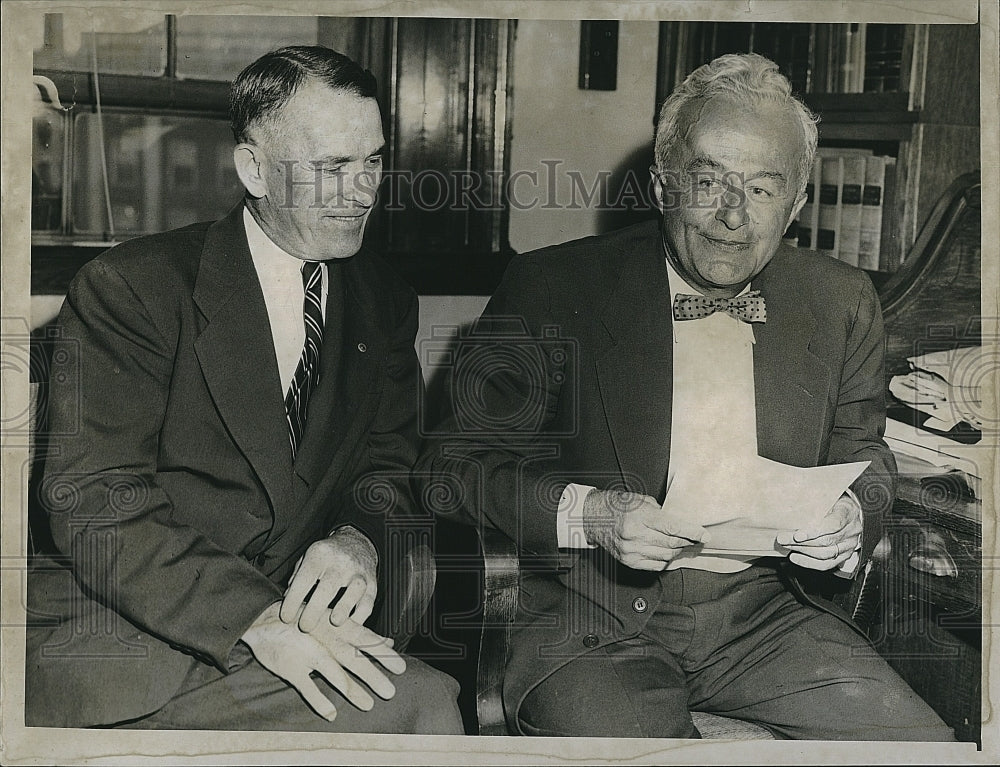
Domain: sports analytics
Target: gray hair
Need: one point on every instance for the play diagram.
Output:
(260, 91)
(748, 78)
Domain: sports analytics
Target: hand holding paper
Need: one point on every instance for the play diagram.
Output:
(750, 505)
(831, 542)
(634, 529)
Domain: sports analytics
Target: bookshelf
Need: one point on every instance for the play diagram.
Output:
(906, 92)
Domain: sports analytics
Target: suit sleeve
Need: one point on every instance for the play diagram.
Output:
(482, 462)
(107, 513)
(859, 422)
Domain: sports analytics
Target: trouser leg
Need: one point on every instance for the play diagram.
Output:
(738, 645)
(252, 698)
(761, 655)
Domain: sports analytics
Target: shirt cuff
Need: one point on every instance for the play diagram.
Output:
(850, 567)
(570, 533)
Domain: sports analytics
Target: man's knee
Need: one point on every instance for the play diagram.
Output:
(575, 703)
(431, 698)
(906, 715)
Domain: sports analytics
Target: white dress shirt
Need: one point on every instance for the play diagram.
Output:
(280, 277)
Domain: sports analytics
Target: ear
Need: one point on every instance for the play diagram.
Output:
(657, 189)
(795, 209)
(249, 161)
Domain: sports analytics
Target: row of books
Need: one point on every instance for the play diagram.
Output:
(845, 199)
(857, 58)
(816, 58)
(788, 44)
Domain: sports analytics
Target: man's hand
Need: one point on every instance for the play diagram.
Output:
(330, 651)
(831, 542)
(635, 530)
(346, 560)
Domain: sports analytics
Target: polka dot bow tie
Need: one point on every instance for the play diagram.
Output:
(748, 307)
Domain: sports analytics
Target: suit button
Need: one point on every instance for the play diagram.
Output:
(591, 640)
(260, 560)
(639, 604)
(362, 347)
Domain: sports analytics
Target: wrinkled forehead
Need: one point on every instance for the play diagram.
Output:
(775, 120)
(316, 106)
(765, 128)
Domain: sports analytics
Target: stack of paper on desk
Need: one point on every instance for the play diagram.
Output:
(744, 504)
(948, 385)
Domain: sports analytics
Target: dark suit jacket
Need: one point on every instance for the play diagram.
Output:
(589, 401)
(171, 492)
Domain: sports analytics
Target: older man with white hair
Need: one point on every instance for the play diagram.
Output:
(669, 350)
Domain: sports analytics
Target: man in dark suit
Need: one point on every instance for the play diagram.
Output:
(580, 396)
(235, 445)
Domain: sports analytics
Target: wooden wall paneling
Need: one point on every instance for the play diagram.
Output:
(432, 124)
(951, 87)
(949, 113)
(948, 152)
(443, 214)
(345, 34)
(488, 145)
(502, 118)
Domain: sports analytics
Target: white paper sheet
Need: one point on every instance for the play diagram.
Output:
(746, 503)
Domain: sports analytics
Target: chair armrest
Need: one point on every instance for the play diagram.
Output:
(863, 601)
(417, 581)
(501, 583)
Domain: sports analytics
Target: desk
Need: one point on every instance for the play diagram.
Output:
(930, 629)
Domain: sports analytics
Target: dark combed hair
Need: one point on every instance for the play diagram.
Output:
(261, 89)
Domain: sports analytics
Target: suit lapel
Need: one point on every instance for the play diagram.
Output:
(236, 354)
(792, 384)
(349, 362)
(634, 368)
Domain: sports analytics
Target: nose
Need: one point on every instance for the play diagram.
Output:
(732, 210)
(361, 186)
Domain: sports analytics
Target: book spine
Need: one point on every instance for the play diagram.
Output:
(797, 43)
(875, 53)
(831, 180)
(858, 62)
(844, 57)
(850, 208)
(892, 59)
(820, 56)
(833, 59)
(870, 243)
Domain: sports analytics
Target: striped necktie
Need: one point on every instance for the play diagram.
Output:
(307, 372)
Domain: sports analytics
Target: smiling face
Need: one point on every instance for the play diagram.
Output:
(313, 173)
(728, 191)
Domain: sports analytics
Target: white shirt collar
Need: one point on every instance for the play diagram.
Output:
(263, 248)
